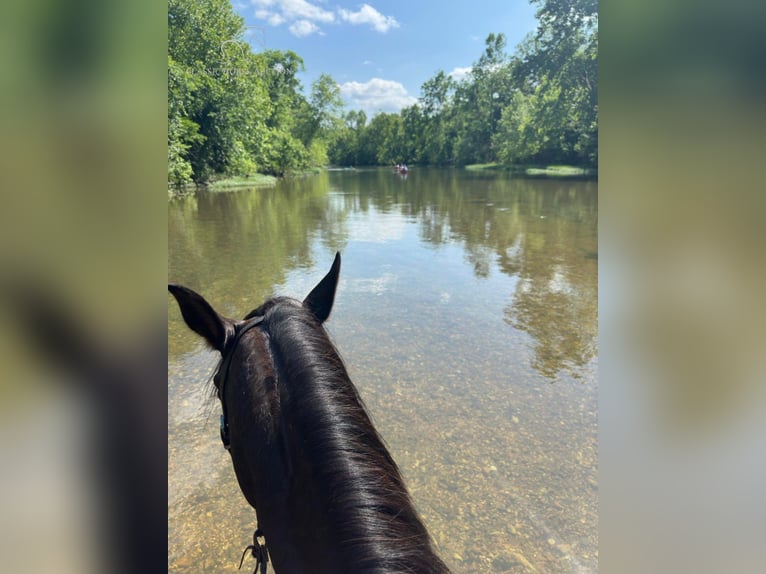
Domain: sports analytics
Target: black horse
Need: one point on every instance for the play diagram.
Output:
(328, 495)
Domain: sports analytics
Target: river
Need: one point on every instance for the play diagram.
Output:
(467, 317)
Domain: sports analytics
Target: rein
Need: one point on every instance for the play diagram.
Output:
(257, 550)
(251, 323)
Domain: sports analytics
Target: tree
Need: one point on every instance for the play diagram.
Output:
(384, 136)
(411, 134)
(326, 104)
(435, 103)
(231, 111)
(207, 100)
(518, 139)
(560, 65)
(479, 101)
(319, 118)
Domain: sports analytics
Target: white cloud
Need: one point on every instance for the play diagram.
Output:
(272, 18)
(303, 16)
(305, 10)
(298, 9)
(460, 73)
(301, 13)
(376, 95)
(369, 15)
(303, 28)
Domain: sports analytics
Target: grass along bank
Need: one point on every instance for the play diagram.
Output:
(537, 170)
(238, 181)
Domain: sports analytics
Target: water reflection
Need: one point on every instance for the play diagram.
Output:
(543, 233)
(225, 243)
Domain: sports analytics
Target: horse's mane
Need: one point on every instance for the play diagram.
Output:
(367, 505)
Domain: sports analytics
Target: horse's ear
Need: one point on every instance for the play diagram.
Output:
(321, 298)
(201, 317)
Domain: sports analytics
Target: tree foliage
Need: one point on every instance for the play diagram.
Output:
(232, 111)
(537, 105)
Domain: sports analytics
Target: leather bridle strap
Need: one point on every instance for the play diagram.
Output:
(258, 551)
(249, 324)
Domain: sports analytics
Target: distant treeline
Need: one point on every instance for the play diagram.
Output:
(233, 112)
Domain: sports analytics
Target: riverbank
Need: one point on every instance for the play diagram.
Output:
(252, 180)
(242, 181)
(227, 184)
(563, 171)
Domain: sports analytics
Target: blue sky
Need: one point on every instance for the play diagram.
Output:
(380, 52)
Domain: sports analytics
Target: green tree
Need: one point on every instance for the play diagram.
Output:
(435, 102)
(200, 90)
(412, 134)
(182, 132)
(319, 119)
(518, 138)
(217, 102)
(559, 64)
(326, 104)
(345, 147)
(479, 101)
(380, 140)
(231, 111)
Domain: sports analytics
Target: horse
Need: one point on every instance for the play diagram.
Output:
(328, 496)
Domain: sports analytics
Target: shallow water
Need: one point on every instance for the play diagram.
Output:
(466, 315)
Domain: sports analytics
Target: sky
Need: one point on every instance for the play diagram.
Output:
(382, 51)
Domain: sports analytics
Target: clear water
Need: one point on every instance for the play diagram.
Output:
(466, 315)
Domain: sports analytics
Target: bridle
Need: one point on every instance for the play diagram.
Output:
(224, 371)
(258, 550)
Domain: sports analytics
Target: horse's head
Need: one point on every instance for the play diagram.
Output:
(224, 334)
(251, 400)
(329, 496)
